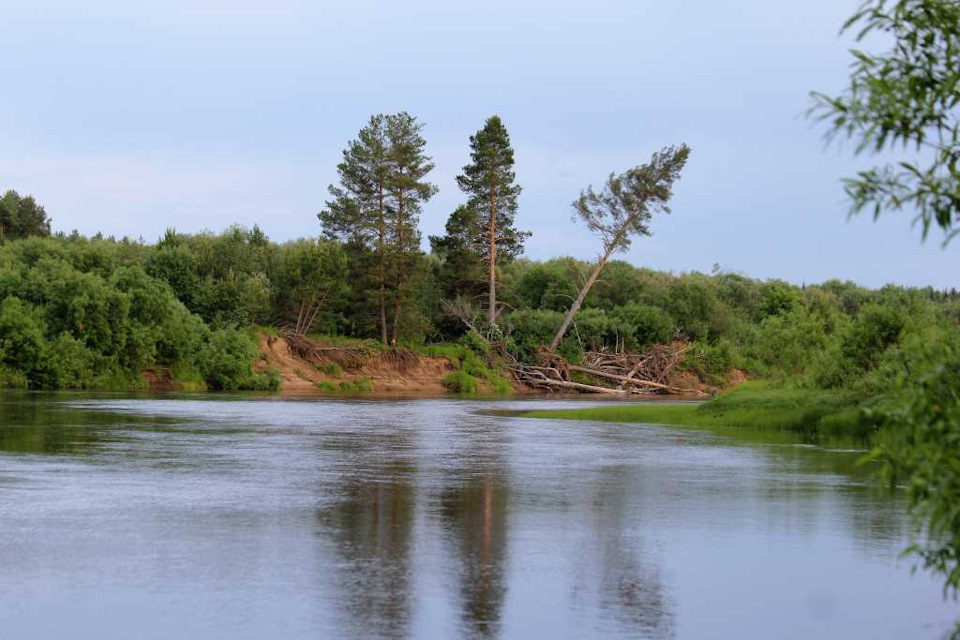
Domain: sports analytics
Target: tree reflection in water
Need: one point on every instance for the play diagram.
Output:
(475, 519)
(615, 567)
(372, 530)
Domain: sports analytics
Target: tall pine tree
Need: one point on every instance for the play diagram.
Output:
(407, 167)
(359, 210)
(376, 207)
(462, 271)
(490, 183)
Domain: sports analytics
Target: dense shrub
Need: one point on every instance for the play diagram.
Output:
(643, 324)
(460, 382)
(23, 347)
(225, 362)
(99, 311)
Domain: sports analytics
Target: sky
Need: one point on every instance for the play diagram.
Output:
(132, 117)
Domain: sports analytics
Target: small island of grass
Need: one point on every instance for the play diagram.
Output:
(753, 405)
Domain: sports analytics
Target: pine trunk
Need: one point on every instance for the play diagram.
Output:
(492, 311)
(579, 301)
(382, 269)
(400, 271)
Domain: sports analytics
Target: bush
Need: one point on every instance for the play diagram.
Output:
(475, 342)
(529, 329)
(22, 344)
(460, 382)
(226, 360)
(918, 448)
(72, 365)
(643, 325)
(876, 328)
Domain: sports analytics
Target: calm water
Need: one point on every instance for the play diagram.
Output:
(212, 517)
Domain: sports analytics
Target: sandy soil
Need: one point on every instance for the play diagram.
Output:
(424, 375)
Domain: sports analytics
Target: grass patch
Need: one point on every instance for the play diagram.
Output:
(333, 370)
(360, 385)
(469, 364)
(273, 332)
(753, 406)
(356, 386)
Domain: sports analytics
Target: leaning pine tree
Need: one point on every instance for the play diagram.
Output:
(623, 209)
(490, 183)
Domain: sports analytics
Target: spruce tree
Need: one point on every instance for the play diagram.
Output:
(407, 167)
(359, 209)
(490, 183)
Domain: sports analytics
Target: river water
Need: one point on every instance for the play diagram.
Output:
(262, 517)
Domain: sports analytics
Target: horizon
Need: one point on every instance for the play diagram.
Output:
(199, 117)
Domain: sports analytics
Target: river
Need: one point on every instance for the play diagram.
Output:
(200, 517)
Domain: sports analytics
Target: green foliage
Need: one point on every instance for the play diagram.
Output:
(876, 328)
(375, 210)
(918, 446)
(482, 232)
(641, 325)
(472, 359)
(693, 303)
(462, 271)
(307, 279)
(225, 361)
(359, 385)
(778, 298)
(71, 364)
(530, 329)
(460, 382)
(21, 217)
(904, 98)
(712, 362)
(326, 386)
(332, 369)
(549, 285)
(23, 348)
(116, 308)
(752, 406)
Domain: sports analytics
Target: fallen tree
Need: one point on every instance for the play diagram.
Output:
(636, 373)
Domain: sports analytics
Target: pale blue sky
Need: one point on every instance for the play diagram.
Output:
(129, 117)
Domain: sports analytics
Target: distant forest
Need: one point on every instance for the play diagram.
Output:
(96, 312)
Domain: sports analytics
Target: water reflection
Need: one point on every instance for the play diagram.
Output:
(475, 519)
(253, 518)
(372, 530)
(626, 578)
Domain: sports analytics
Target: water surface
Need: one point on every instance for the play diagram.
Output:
(263, 517)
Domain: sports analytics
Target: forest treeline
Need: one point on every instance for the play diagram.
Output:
(82, 312)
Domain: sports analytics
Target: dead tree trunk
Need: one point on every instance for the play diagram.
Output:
(625, 380)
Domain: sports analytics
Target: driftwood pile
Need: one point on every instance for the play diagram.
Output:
(631, 373)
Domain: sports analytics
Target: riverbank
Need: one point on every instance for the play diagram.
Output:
(753, 405)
